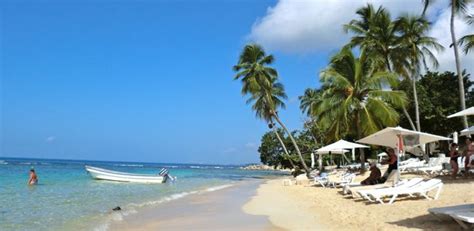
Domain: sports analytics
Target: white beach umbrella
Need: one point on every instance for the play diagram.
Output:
(466, 112)
(340, 146)
(389, 137)
(467, 132)
(399, 137)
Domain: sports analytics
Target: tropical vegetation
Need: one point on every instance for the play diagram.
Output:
(259, 81)
(382, 77)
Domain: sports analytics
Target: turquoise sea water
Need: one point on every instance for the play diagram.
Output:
(67, 198)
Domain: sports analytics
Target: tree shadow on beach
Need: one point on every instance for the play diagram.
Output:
(428, 222)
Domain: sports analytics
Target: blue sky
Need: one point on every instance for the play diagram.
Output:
(152, 80)
(143, 81)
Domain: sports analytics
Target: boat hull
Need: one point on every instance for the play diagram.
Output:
(104, 174)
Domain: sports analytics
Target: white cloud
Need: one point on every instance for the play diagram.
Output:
(251, 145)
(50, 139)
(441, 31)
(304, 26)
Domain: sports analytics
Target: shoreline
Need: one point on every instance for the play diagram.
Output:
(214, 210)
(302, 207)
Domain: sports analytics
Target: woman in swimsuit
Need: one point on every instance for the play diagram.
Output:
(33, 178)
(453, 153)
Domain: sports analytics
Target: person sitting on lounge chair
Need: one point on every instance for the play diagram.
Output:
(374, 177)
(392, 164)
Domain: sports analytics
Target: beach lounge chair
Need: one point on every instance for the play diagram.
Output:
(464, 218)
(448, 210)
(435, 168)
(460, 213)
(344, 179)
(421, 189)
(411, 165)
(366, 194)
(321, 180)
(411, 160)
(354, 187)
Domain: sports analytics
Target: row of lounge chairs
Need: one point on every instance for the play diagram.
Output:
(335, 180)
(388, 192)
(433, 167)
(416, 187)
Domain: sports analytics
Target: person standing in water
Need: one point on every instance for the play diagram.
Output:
(33, 178)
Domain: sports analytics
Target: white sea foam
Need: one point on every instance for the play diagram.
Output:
(211, 189)
(129, 165)
(171, 166)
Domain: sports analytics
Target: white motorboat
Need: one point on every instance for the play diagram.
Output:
(105, 174)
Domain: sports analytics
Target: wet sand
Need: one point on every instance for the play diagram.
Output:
(218, 210)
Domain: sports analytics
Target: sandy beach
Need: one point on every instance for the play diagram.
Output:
(216, 210)
(302, 207)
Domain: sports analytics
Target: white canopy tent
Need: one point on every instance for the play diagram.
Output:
(466, 112)
(400, 138)
(339, 147)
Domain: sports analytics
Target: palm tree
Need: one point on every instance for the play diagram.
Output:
(263, 109)
(376, 33)
(354, 101)
(458, 8)
(310, 100)
(257, 81)
(415, 41)
(468, 40)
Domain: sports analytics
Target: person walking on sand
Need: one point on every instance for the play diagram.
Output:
(467, 156)
(453, 153)
(33, 178)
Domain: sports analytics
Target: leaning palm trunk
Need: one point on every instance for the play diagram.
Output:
(458, 64)
(409, 119)
(284, 148)
(415, 100)
(306, 169)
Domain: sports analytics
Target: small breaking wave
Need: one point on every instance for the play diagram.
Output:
(129, 165)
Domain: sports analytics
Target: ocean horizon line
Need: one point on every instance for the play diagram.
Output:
(125, 161)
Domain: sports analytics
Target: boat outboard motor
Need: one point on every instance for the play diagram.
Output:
(165, 173)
